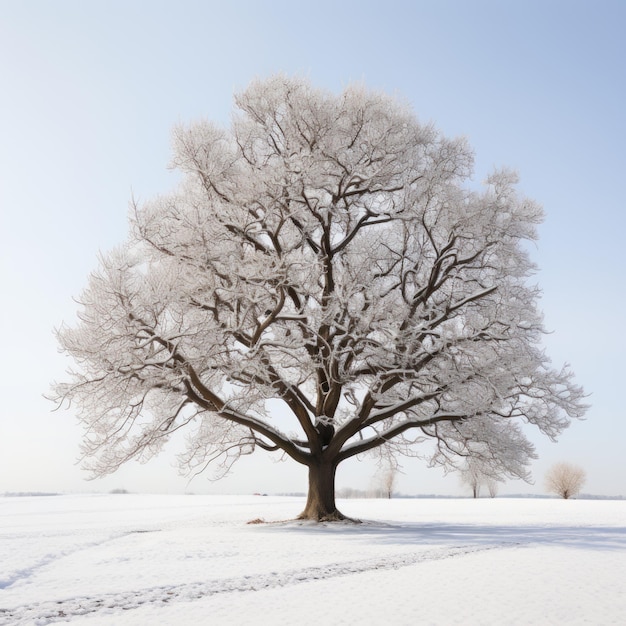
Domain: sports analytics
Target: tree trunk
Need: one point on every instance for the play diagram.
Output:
(320, 503)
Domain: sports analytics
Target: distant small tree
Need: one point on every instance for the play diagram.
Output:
(388, 480)
(565, 480)
(476, 473)
(386, 477)
(472, 476)
(492, 487)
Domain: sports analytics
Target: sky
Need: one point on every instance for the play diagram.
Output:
(91, 90)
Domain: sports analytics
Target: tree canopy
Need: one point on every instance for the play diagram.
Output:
(324, 280)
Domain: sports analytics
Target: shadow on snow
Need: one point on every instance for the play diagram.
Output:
(418, 534)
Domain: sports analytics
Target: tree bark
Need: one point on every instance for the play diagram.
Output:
(320, 504)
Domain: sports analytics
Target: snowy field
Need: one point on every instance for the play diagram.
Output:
(178, 560)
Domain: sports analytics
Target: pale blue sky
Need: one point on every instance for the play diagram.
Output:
(91, 90)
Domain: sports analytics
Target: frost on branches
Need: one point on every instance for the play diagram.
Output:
(323, 282)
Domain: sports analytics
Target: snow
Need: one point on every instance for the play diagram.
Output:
(149, 559)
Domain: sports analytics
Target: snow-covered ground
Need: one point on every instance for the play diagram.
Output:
(178, 560)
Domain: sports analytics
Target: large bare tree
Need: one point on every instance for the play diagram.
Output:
(323, 281)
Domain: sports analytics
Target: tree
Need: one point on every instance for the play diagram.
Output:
(492, 487)
(387, 474)
(472, 476)
(388, 480)
(477, 472)
(565, 480)
(323, 281)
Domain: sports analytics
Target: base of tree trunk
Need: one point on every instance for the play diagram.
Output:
(335, 516)
(320, 503)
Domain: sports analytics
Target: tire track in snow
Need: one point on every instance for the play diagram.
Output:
(54, 611)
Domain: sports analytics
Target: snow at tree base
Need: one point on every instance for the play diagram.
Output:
(326, 279)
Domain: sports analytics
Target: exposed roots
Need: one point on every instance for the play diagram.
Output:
(335, 516)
